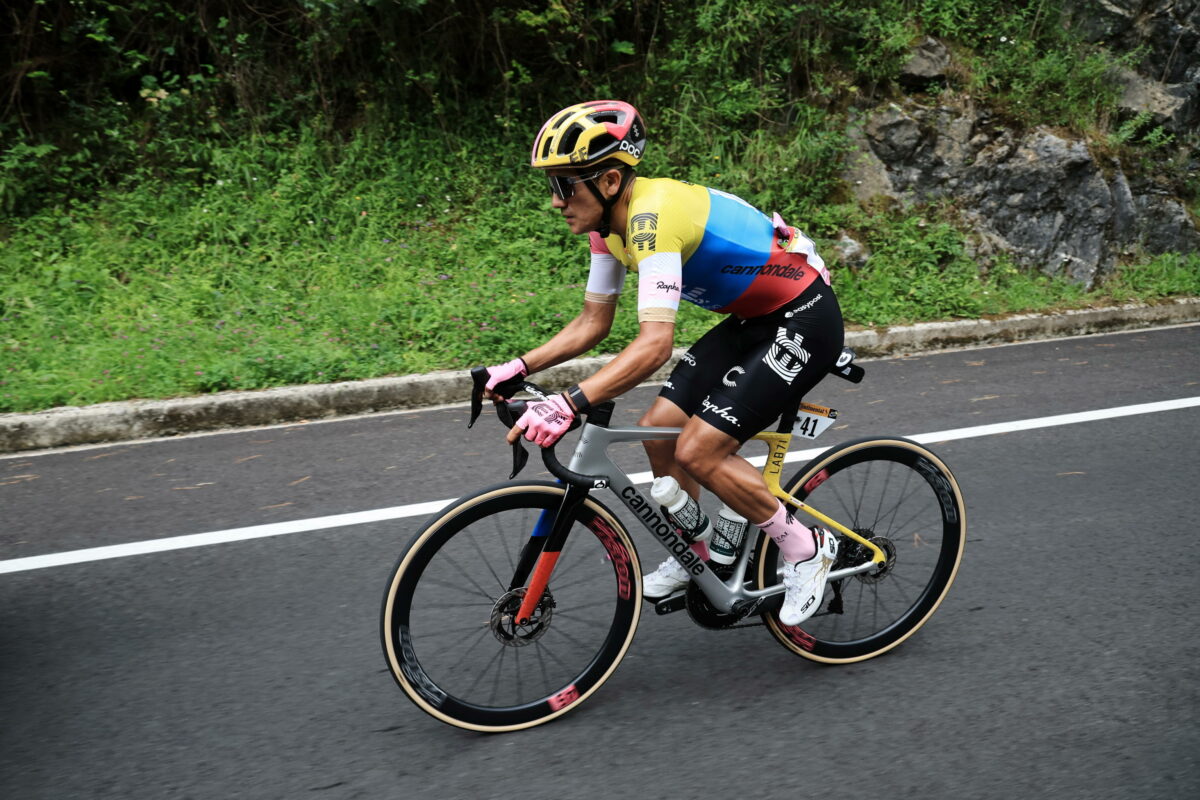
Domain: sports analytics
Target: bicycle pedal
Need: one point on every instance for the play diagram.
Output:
(669, 605)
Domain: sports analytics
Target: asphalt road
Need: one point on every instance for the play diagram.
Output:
(1065, 662)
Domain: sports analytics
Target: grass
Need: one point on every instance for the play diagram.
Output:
(293, 261)
(227, 257)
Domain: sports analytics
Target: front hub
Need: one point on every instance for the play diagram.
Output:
(503, 622)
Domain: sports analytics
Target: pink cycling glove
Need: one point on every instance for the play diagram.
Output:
(546, 422)
(503, 372)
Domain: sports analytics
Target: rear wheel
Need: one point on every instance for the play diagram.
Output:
(448, 623)
(901, 497)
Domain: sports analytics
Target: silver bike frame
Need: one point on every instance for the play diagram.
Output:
(591, 458)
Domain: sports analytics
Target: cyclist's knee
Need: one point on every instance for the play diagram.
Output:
(662, 413)
(701, 455)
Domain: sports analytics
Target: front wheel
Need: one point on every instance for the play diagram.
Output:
(901, 497)
(449, 627)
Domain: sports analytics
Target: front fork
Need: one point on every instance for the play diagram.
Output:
(541, 551)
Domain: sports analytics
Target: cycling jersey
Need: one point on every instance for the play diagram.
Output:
(705, 246)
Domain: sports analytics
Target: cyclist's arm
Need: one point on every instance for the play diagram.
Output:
(578, 336)
(606, 278)
(648, 351)
(660, 278)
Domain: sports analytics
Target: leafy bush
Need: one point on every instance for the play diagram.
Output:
(198, 201)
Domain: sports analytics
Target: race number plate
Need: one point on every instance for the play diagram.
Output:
(812, 420)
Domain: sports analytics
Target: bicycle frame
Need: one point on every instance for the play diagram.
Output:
(591, 458)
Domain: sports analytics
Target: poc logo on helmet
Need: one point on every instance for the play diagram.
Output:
(628, 148)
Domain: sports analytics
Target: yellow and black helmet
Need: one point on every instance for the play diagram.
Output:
(590, 134)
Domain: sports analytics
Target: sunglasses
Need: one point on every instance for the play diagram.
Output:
(563, 186)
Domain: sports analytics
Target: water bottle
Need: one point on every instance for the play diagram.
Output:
(728, 531)
(682, 509)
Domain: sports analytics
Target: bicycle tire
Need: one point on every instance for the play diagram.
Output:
(899, 493)
(452, 579)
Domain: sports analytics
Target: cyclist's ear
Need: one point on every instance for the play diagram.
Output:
(610, 182)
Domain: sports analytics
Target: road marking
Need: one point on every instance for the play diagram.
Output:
(425, 509)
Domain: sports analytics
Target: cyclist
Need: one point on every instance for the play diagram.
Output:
(782, 332)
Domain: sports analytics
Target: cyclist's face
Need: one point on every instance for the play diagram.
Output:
(582, 210)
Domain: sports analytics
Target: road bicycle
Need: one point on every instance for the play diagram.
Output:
(514, 604)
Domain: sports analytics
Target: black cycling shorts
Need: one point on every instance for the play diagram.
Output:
(741, 375)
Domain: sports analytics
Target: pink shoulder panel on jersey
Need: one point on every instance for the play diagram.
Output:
(598, 244)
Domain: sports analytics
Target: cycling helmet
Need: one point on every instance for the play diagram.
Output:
(590, 134)
(600, 133)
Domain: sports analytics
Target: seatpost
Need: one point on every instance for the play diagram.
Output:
(787, 420)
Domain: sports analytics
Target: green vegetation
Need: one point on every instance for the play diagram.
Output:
(192, 203)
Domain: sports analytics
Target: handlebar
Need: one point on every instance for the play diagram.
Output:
(509, 411)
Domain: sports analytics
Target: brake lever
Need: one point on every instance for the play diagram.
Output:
(520, 457)
(508, 414)
(479, 379)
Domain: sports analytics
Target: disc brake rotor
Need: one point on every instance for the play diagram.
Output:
(504, 614)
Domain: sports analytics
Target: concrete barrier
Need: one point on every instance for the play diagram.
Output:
(141, 419)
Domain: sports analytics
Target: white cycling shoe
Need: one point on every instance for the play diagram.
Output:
(804, 581)
(667, 579)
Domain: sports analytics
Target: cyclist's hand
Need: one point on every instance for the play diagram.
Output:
(544, 422)
(501, 373)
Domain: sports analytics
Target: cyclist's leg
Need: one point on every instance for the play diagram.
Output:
(663, 413)
(682, 392)
(784, 355)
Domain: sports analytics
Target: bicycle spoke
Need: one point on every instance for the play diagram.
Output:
(499, 672)
(542, 663)
(483, 672)
(483, 592)
(478, 639)
(483, 559)
(603, 602)
(580, 582)
(487, 605)
(590, 622)
(447, 635)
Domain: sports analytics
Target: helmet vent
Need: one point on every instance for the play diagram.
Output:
(606, 116)
(569, 138)
(601, 143)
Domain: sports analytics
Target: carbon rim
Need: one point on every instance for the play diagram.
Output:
(449, 633)
(902, 497)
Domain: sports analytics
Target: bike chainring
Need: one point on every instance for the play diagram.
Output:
(503, 622)
(703, 614)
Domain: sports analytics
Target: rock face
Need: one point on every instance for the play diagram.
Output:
(1168, 30)
(1049, 202)
(1043, 199)
(1166, 81)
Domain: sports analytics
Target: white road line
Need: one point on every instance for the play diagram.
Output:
(425, 509)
